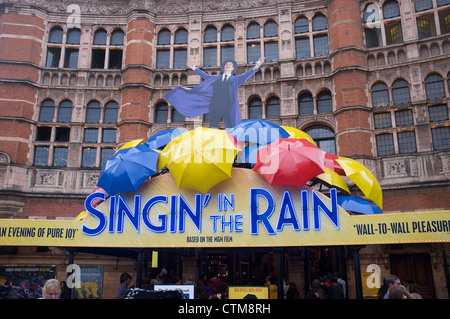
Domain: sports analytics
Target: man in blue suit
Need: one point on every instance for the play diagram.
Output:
(217, 95)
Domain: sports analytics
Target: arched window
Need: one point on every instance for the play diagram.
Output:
(380, 95)
(163, 37)
(255, 109)
(323, 136)
(65, 111)
(111, 112)
(227, 33)
(177, 117)
(47, 111)
(253, 31)
(324, 102)
(305, 104)
(434, 86)
(73, 36)
(100, 37)
(273, 107)
(210, 34)
(161, 112)
(117, 37)
(319, 22)
(301, 25)
(422, 5)
(400, 92)
(56, 35)
(181, 36)
(270, 29)
(391, 9)
(93, 112)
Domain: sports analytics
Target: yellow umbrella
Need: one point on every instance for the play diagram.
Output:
(331, 179)
(132, 144)
(296, 133)
(363, 178)
(200, 159)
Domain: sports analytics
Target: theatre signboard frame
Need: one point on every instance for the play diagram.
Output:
(243, 211)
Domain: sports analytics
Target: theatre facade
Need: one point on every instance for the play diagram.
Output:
(367, 80)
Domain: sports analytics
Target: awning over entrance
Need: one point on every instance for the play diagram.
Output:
(243, 211)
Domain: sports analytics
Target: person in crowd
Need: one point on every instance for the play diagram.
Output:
(292, 292)
(51, 290)
(316, 291)
(393, 281)
(125, 281)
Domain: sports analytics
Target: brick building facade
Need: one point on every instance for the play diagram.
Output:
(368, 80)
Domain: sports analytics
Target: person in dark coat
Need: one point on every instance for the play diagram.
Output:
(217, 95)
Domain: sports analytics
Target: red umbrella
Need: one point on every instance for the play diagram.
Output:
(290, 161)
(331, 163)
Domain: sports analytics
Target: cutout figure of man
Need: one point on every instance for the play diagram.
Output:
(217, 95)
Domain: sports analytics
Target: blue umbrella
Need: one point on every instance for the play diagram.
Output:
(358, 205)
(259, 132)
(163, 137)
(128, 169)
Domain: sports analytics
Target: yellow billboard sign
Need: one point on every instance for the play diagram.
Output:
(243, 211)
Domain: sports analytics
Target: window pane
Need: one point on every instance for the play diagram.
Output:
(422, 5)
(47, 111)
(93, 112)
(43, 133)
(406, 142)
(163, 37)
(373, 37)
(117, 37)
(301, 25)
(273, 108)
(109, 136)
(324, 138)
(100, 37)
(179, 58)
(210, 56)
(400, 92)
(305, 104)
(320, 45)
(41, 155)
(106, 154)
(390, 10)
(71, 58)
(385, 144)
(56, 35)
(324, 103)
(60, 156)
(226, 53)
(270, 29)
(438, 113)
(88, 157)
(442, 2)
(62, 134)
(111, 112)
(253, 52)
(319, 22)
(382, 120)
(162, 59)
(271, 51)
(393, 33)
(253, 31)
(181, 36)
(53, 56)
(227, 33)
(404, 118)
(434, 87)
(115, 59)
(302, 48)
(255, 109)
(210, 35)
(328, 146)
(425, 26)
(98, 59)
(90, 135)
(441, 137)
(161, 113)
(380, 95)
(73, 36)
(177, 117)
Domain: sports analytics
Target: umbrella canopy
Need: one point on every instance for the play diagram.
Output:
(296, 133)
(132, 143)
(163, 137)
(201, 158)
(290, 162)
(128, 169)
(259, 132)
(358, 205)
(363, 178)
(332, 179)
(331, 163)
